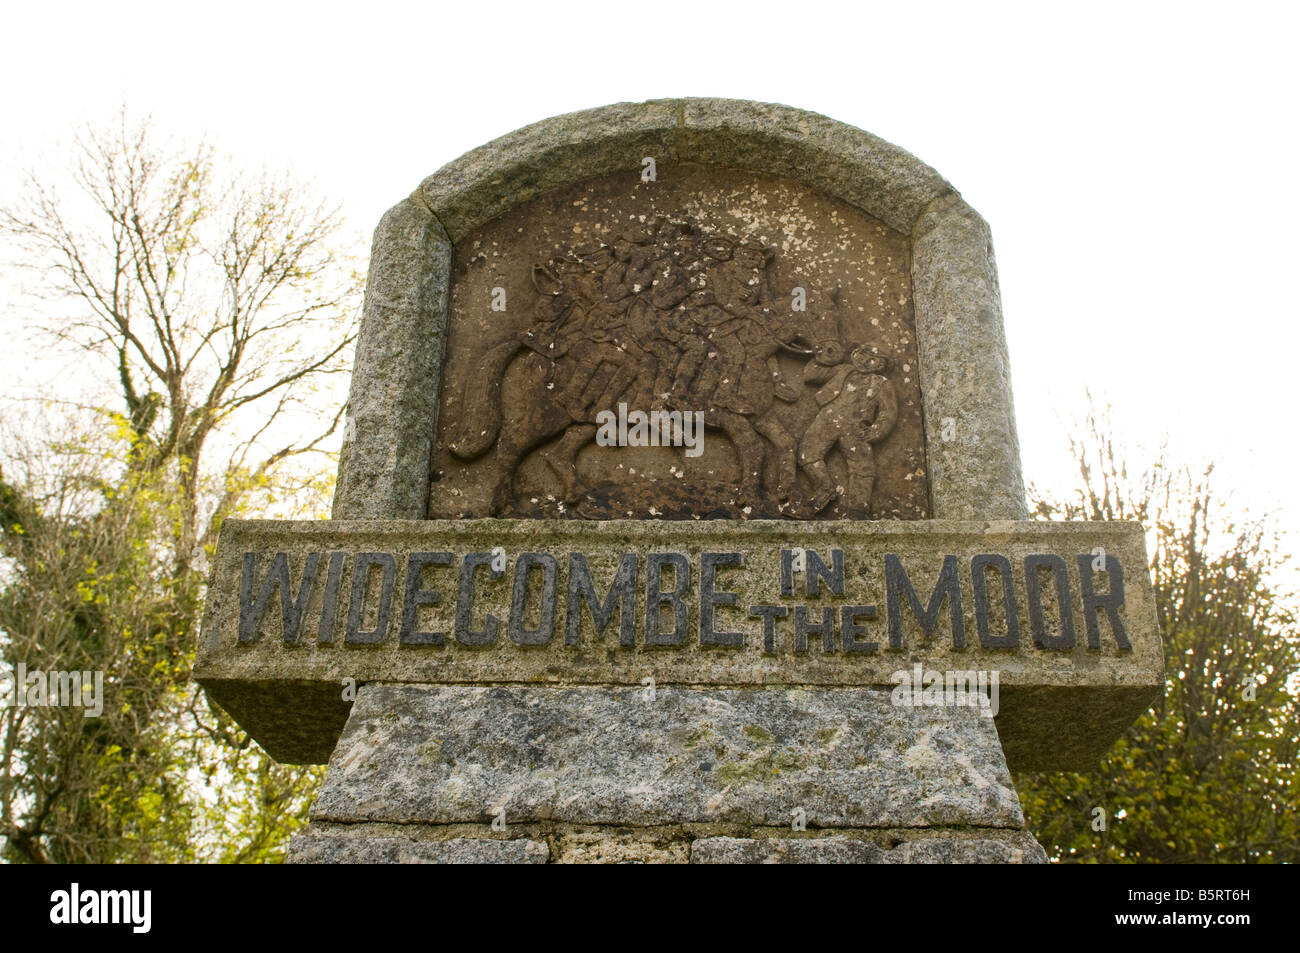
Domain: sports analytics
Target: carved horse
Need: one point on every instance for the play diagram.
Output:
(517, 430)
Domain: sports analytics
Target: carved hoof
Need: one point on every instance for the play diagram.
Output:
(793, 510)
(575, 492)
(500, 499)
(823, 499)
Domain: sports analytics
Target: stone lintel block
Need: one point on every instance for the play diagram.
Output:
(1062, 701)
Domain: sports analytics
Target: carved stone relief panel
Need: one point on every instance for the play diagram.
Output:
(708, 344)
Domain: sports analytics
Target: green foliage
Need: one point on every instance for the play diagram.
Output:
(217, 309)
(1209, 774)
(157, 776)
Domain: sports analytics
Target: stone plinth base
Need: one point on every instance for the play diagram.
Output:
(519, 774)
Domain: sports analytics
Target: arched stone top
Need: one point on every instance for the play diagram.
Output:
(972, 450)
(883, 180)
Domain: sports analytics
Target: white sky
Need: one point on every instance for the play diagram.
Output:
(1135, 161)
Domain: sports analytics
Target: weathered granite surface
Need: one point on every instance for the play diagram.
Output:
(1057, 706)
(313, 848)
(952, 262)
(842, 160)
(971, 444)
(393, 399)
(521, 165)
(834, 849)
(842, 757)
(326, 843)
(1004, 847)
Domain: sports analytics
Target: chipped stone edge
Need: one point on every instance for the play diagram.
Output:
(393, 397)
(972, 450)
(383, 470)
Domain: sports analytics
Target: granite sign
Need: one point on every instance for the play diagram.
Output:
(680, 518)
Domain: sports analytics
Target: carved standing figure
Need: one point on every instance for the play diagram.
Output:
(858, 408)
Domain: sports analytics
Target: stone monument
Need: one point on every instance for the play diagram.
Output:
(680, 519)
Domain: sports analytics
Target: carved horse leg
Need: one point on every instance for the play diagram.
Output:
(631, 371)
(563, 458)
(524, 429)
